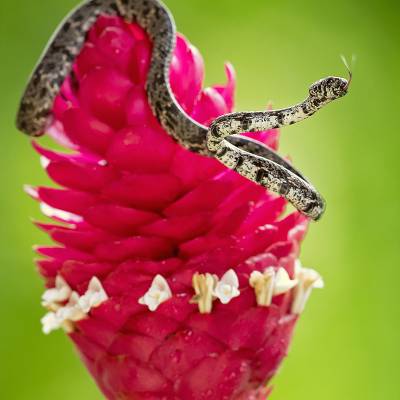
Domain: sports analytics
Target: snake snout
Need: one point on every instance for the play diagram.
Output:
(330, 88)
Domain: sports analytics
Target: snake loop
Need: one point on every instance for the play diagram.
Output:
(249, 158)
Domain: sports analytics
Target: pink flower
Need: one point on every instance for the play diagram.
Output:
(139, 221)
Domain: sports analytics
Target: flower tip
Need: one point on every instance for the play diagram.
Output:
(36, 146)
(44, 162)
(31, 191)
(38, 224)
(60, 215)
(230, 278)
(95, 284)
(230, 74)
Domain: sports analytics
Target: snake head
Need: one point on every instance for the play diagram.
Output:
(329, 89)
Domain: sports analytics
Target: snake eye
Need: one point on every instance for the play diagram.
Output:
(340, 87)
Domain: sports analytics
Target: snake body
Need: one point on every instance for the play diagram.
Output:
(250, 158)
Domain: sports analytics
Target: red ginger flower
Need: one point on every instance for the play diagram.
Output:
(136, 205)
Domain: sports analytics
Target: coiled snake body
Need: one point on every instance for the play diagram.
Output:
(248, 157)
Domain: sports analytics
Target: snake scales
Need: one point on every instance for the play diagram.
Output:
(248, 157)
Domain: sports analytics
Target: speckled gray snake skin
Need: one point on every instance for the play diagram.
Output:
(248, 157)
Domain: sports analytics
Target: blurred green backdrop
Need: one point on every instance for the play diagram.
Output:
(347, 342)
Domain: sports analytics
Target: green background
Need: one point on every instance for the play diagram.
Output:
(347, 342)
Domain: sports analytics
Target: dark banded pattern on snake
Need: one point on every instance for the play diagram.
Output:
(250, 158)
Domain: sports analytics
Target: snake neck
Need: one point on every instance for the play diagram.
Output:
(237, 123)
(312, 104)
(292, 115)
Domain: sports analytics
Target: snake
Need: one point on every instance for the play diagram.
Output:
(221, 140)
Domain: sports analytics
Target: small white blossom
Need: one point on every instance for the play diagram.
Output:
(282, 282)
(51, 322)
(60, 293)
(204, 286)
(227, 287)
(94, 296)
(64, 316)
(72, 311)
(158, 293)
(263, 284)
(308, 279)
(270, 283)
(77, 307)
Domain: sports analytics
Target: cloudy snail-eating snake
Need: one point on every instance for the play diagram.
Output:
(248, 157)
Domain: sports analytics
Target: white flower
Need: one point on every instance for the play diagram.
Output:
(64, 316)
(228, 287)
(308, 279)
(263, 284)
(51, 322)
(270, 283)
(282, 282)
(158, 293)
(204, 286)
(53, 297)
(72, 311)
(77, 307)
(94, 296)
